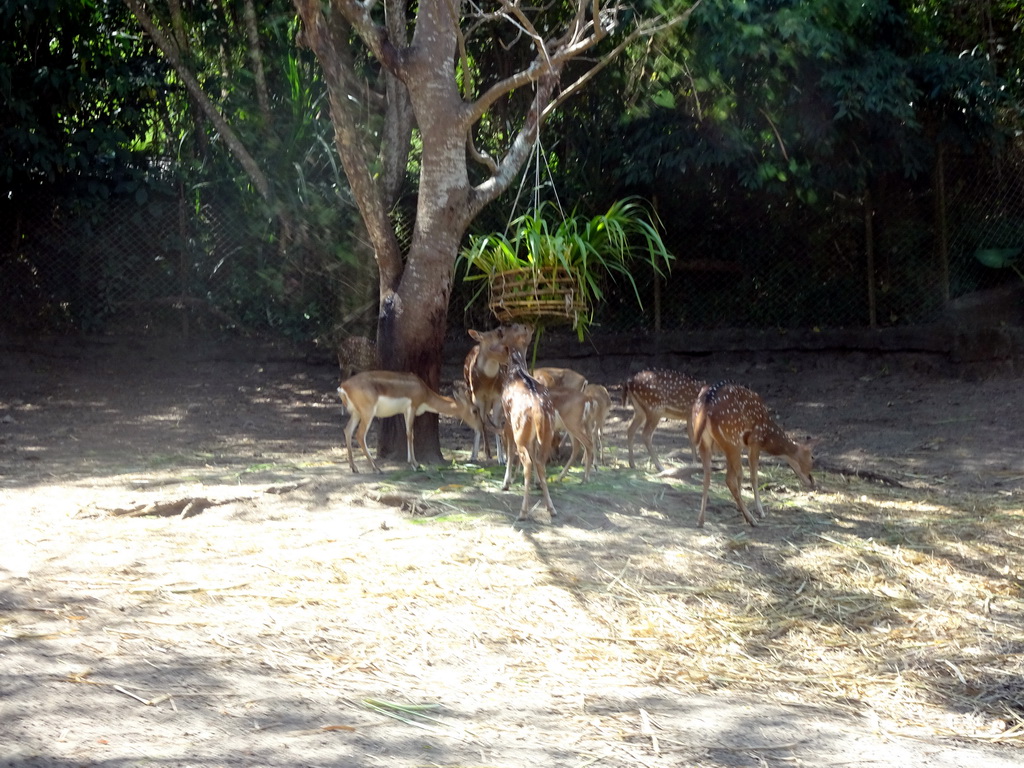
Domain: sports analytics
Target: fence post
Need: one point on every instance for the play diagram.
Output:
(940, 221)
(869, 251)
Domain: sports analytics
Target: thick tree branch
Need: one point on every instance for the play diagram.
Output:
(235, 145)
(545, 70)
(499, 90)
(178, 25)
(329, 42)
(256, 59)
(645, 30)
(518, 152)
(396, 140)
(551, 57)
(360, 18)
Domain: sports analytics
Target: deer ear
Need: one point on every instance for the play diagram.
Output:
(811, 442)
(475, 334)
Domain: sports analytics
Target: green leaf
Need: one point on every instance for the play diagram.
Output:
(664, 99)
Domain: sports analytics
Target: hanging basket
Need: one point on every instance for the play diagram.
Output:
(537, 295)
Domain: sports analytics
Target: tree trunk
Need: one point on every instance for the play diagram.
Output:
(411, 330)
(413, 315)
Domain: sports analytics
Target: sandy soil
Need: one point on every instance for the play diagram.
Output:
(270, 622)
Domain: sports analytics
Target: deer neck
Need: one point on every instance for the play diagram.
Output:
(435, 403)
(488, 367)
(776, 442)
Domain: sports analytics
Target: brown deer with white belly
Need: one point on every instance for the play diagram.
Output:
(373, 394)
(731, 418)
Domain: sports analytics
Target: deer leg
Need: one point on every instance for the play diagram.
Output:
(410, 450)
(588, 459)
(542, 480)
(496, 419)
(572, 457)
(350, 428)
(503, 449)
(474, 456)
(364, 427)
(547, 496)
(634, 425)
(509, 465)
(705, 457)
(733, 478)
(586, 437)
(481, 435)
(527, 460)
(648, 433)
(752, 459)
(584, 440)
(689, 434)
(486, 439)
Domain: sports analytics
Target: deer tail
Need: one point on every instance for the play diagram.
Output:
(627, 387)
(699, 417)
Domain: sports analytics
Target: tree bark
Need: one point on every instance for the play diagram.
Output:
(256, 59)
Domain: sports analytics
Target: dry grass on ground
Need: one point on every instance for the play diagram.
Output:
(292, 604)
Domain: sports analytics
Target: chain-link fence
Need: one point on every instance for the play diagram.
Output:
(150, 258)
(894, 256)
(154, 259)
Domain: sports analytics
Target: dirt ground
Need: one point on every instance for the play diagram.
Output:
(191, 576)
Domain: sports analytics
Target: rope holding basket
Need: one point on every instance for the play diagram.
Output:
(536, 295)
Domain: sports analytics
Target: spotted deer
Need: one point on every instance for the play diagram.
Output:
(732, 418)
(355, 355)
(482, 374)
(600, 406)
(373, 394)
(655, 395)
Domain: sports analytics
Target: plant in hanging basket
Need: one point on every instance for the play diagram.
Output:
(549, 268)
(535, 295)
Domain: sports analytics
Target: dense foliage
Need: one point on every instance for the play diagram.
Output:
(741, 127)
(764, 122)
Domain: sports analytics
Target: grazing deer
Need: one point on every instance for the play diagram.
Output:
(370, 394)
(529, 426)
(471, 417)
(655, 395)
(355, 355)
(572, 416)
(731, 417)
(560, 377)
(482, 373)
(600, 405)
